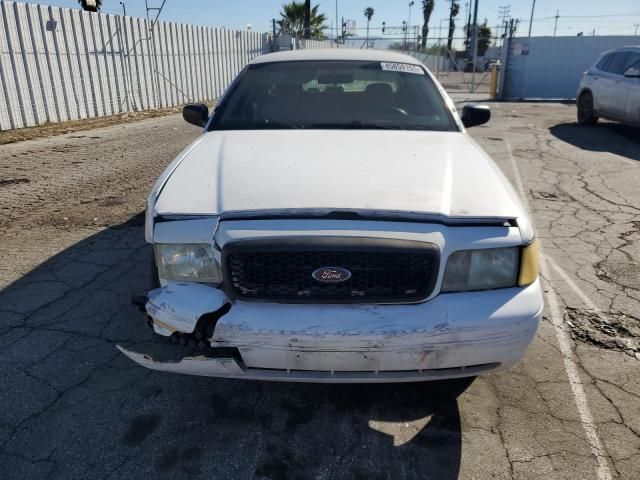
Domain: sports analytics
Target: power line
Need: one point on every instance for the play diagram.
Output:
(600, 16)
(566, 17)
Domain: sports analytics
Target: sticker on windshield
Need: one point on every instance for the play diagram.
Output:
(401, 67)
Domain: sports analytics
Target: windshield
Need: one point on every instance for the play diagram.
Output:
(334, 94)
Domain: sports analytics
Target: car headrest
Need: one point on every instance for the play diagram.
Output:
(380, 92)
(288, 90)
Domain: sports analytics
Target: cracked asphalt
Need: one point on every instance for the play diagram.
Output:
(72, 251)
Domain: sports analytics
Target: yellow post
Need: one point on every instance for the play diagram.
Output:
(493, 88)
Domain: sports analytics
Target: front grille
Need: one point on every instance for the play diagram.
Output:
(390, 271)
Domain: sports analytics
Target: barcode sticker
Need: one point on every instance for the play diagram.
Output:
(401, 67)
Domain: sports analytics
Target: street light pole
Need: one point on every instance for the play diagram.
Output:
(124, 9)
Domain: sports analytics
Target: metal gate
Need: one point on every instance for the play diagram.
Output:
(550, 67)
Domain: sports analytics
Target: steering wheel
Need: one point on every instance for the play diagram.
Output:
(399, 110)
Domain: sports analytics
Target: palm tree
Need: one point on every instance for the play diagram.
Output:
(90, 5)
(368, 13)
(453, 12)
(484, 38)
(427, 10)
(292, 21)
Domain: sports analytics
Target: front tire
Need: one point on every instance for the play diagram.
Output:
(586, 113)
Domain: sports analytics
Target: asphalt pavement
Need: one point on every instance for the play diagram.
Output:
(73, 252)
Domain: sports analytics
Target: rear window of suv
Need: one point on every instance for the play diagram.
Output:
(604, 62)
(617, 63)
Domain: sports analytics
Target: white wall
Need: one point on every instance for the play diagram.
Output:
(551, 67)
(60, 64)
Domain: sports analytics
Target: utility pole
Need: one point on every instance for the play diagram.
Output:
(504, 13)
(467, 40)
(533, 7)
(555, 27)
(475, 46)
(512, 27)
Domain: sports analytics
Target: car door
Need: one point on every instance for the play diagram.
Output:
(614, 94)
(595, 79)
(630, 110)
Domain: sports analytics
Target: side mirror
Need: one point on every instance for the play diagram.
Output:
(473, 115)
(196, 114)
(632, 72)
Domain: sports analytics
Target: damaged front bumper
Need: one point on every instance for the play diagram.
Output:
(452, 335)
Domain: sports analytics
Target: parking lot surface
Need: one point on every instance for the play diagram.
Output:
(73, 252)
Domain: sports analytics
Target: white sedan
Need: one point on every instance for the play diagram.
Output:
(335, 223)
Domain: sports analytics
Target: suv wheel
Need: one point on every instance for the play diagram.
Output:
(586, 114)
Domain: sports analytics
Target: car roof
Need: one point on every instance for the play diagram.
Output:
(367, 55)
(629, 48)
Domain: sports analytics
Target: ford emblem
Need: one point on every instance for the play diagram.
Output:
(331, 274)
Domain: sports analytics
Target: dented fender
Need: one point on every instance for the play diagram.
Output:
(178, 306)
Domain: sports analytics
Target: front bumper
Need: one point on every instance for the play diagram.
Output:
(452, 335)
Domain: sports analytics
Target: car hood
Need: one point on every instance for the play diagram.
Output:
(436, 173)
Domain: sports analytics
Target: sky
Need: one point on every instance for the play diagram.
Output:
(616, 17)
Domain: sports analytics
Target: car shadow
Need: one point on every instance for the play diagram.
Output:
(75, 407)
(604, 136)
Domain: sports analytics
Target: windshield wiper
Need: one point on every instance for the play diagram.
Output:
(358, 124)
(353, 125)
(258, 126)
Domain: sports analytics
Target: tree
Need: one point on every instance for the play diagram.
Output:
(453, 12)
(484, 38)
(292, 21)
(368, 13)
(90, 5)
(427, 10)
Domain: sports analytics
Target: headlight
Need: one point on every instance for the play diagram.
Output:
(187, 261)
(481, 269)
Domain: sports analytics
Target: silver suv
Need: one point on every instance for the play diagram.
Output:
(611, 88)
